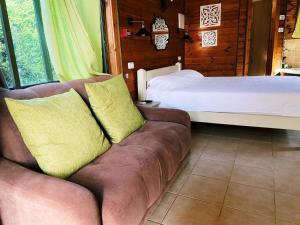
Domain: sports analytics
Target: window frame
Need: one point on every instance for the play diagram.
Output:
(11, 51)
(9, 44)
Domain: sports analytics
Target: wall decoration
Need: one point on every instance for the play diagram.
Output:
(161, 41)
(160, 33)
(160, 25)
(209, 38)
(210, 15)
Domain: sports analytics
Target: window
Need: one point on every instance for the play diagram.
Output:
(23, 38)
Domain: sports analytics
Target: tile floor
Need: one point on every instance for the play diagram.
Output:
(235, 176)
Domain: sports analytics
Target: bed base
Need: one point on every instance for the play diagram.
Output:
(239, 119)
(250, 120)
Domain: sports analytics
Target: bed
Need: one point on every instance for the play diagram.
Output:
(270, 102)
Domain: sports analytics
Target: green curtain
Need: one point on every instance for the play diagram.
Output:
(73, 36)
(296, 33)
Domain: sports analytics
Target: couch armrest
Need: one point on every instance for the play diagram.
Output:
(166, 115)
(28, 197)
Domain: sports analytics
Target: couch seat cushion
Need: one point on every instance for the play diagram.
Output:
(132, 175)
(125, 180)
(171, 141)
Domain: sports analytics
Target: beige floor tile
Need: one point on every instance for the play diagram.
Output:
(205, 189)
(161, 211)
(287, 181)
(179, 182)
(250, 199)
(253, 176)
(236, 217)
(288, 207)
(186, 211)
(222, 143)
(286, 164)
(219, 154)
(262, 159)
(283, 222)
(288, 153)
(213, 168)
(255, 146)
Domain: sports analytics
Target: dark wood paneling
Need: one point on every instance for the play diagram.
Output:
(140, 50)
(227, 59)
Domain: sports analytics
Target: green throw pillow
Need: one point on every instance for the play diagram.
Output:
(59, 131)
(114, 108)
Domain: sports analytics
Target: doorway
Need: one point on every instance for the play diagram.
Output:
(259, 36)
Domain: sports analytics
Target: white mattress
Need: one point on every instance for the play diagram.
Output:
(251, 95)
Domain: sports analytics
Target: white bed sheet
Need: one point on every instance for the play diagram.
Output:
(252, 95)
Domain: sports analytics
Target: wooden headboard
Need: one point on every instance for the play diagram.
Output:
(144, 76)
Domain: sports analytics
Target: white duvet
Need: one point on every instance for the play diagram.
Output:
(190, 91)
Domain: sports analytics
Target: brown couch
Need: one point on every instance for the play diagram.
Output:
(118, 188)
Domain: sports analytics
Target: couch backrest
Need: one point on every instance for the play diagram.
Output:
(12, 146)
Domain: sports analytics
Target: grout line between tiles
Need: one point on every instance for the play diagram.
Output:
(169, 209)
(223, 203)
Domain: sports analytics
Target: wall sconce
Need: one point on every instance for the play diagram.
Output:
(187, 38)
(142, 32)
(181, 27)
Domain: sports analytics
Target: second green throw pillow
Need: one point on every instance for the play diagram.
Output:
(114, 108)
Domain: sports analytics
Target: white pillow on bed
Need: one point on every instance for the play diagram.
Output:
(187, 73)
(175, 80)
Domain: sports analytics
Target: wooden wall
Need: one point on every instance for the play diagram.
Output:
(140, 50)
(227, 59)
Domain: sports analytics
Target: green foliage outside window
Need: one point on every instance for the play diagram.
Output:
(26, 41)
(27, 46)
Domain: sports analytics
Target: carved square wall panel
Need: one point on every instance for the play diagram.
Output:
(210, 15)
(209, 38)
